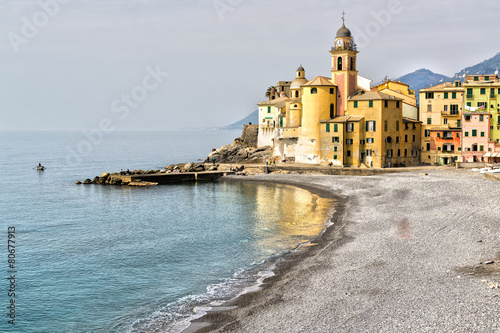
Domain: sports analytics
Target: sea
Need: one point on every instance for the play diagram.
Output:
(93, 258)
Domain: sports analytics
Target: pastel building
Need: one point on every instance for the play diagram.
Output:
(475, 138)
(441, 109)
(338, 120)
(403, 91)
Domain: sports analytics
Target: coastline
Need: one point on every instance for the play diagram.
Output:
(399, 256)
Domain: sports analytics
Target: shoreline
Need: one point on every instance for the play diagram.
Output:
(382, 255)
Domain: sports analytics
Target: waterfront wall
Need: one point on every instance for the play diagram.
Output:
(250, 134)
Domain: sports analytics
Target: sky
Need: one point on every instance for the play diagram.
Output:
(163, 64)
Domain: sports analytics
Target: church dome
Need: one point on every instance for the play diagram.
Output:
(297, 83)
(300, 69)
(344, 32)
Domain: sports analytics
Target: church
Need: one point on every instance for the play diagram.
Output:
(338, 120)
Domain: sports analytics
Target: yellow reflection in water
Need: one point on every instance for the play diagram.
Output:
(288, 215)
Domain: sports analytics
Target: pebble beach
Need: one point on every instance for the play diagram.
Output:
(407, 252)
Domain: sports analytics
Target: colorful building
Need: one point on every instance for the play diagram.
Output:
(403, 91)
(338, 120)
(441, 109)
(475, 135)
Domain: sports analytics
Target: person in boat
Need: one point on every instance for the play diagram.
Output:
(39, 164)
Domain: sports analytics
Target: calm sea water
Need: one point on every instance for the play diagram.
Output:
(118, 259)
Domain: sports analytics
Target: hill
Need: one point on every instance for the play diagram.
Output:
(251, 118)
(422, 78)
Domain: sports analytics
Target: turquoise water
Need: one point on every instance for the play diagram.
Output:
(119, 259)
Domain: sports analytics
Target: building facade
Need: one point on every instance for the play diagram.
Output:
(441, 109)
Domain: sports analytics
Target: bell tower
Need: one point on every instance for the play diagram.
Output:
(344, 67)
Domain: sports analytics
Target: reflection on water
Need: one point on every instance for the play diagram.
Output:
(285, 216)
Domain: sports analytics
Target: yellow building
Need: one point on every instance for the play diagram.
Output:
(339, 121)
(403, 91)
(441, 109)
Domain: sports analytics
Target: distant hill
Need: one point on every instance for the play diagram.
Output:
(251, 118)
(422, 78)
(488, 66)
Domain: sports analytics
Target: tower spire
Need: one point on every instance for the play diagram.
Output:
(343, 19)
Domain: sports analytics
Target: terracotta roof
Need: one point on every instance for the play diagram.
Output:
(373, 95)
(442, 87)
(342, 119)
(276, 102)
(320, 81)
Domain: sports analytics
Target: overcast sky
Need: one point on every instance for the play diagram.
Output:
(162, 64)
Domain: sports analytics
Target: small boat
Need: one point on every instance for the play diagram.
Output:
(40, 168)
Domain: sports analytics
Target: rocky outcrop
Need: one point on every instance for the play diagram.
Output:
(238, 152)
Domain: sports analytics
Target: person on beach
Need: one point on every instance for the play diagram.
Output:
(213, 160)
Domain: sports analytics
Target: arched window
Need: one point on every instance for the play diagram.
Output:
(352, 64)
(339, 63)
(332, 111)
(297, 94)
(388, 140)
(314, 91)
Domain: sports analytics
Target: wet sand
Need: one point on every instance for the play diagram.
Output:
(407, 252)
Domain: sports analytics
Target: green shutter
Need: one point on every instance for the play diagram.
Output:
(355, 104)
(335, 127)
(445, 95)
(327, 127)
(370, 104)
(268, 109)
(454, 95)
(474, 132)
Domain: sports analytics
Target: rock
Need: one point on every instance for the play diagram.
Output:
(105, 175)
(150, 172)
(489, 262)
(142, 184)
(78, 182)
(212, 168)
(423, 174)
(96, 180)
(87, 181)
(237, 152)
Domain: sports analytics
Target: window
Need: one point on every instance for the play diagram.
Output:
(388, 140)
(386, 104)
(476, 78)
(474, 132)
(492, 92)
(370, 140)
(332, 111)
(438, 135)
(486, 78)
(348, 153)
(428, 146)
(332, 91)
(445, 95)
(349, 141)
(389, 152)
(397, 139)
(406, 152)
(427, 133)
(483, 91)
(429, 121)
(334, 157)
(314, 91)
(399, 152)
(414, 138)
(469, 92)
(445, 108)
(335, 139)
(458, 135)
(369, 152)
(481, 148)
(454, 109)
(445, 121)
(361, 142)
(335, 148)
(397, 104)
(370, 126)
(352, 64)
(297, 94)
(385, 125)
(467, 117)
(429, 95)
(429, 108)
(350, 127)
(482, 134)
(498, 120)
(335, 128)
(397, 125)
(355, 104)
(454, 95)
(481, 117)
(439, 148)
(339, 63)
(466, 134)
(370, 104)
(327, 128)
(268, 109)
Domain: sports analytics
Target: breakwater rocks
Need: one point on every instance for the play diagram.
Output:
(239, 152)
(130, 177)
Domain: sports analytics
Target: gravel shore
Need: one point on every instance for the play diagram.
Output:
(407, 252)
